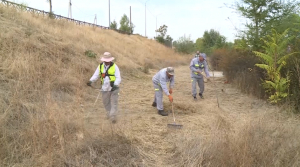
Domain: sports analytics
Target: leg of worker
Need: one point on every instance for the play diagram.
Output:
(159, 97)
(201, 85)
(114, 98)
(194, 87)
(154, 101)
(106, 101)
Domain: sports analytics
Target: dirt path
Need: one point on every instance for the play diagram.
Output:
(148, 131)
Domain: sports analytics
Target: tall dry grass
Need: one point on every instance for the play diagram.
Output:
(43, 75)
(239, 68)
(260, 139)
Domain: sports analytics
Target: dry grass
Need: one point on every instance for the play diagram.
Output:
(44, 103)
(267, 140)
(43, 75)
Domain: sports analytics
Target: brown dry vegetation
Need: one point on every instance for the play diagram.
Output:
(43, 83)
(48, 117)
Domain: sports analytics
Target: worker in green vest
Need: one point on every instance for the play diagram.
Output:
(110, 77)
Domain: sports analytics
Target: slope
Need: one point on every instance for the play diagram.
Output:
(48, 116)
(44, 67)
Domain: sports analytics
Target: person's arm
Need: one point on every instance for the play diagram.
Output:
(95, 77)
(193, 69)
(206, 69)
(118, 76)
(172, 82)
(163, 83)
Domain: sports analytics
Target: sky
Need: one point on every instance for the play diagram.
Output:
(183, 17)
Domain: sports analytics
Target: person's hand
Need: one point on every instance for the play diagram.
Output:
(170, 98)
(115, 87)
(170, 91)
(103, 75)
(89, 83)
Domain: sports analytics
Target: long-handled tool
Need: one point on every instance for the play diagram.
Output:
(174, 125)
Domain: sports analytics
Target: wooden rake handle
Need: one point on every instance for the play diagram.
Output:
(173, 112)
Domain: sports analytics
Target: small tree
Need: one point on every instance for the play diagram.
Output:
(212, 40)
(125, 25)
(168, 41)
(113, 25)
(275, 59)
(162, 38)
(185, 45)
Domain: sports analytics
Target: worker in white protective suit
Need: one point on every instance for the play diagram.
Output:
(160, 81)
(110, 77)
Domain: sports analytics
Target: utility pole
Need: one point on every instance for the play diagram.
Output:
(156, 27)
(130, 22)
(70, 10)
(95, 19)
(109, 12)
(145, 18)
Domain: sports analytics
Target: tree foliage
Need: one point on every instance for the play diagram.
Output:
(263, 15)
(210, 41)
(125, 25)
(275, 57)
(184, 45)
(113, 25)
(162, 38)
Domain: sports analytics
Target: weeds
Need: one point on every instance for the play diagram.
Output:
(90, 53)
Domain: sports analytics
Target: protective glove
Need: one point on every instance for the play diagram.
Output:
(115, 87)
(89, 83)
(170, 98)
(170, 91)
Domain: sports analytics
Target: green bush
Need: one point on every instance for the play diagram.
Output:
(90, 53)
(184, 45)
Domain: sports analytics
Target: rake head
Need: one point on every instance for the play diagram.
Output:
(175, 126)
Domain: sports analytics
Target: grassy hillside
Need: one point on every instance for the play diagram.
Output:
(43, 75)
(48, 116)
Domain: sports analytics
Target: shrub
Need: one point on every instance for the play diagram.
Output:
(239, 67)
(274, 59)
(184, 45)
(217, 56)
(90, 53)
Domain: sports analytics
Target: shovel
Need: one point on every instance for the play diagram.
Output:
(174, 125)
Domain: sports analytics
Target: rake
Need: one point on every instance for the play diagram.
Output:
(174, 125)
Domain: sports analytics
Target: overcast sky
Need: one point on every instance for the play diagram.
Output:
(183, 17)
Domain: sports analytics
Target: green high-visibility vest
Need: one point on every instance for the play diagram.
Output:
(110, 72)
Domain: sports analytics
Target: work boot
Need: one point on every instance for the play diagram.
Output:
(201, 96)
(195, 98)
(113, 119)
(162, 112)
(154, 104)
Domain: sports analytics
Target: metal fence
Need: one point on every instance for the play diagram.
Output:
(52, 15)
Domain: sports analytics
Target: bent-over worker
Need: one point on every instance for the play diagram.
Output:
(160, 81)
